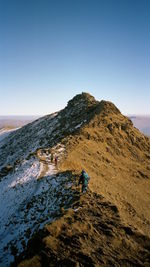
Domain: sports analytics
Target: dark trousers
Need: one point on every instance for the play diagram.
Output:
(84, 188)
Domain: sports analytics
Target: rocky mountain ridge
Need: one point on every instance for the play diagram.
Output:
(87, 134)
(51, 129)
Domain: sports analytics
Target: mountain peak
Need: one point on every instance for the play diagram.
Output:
(84, 99)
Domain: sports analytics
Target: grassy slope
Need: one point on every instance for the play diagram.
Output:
(118, 162)
(91, 234)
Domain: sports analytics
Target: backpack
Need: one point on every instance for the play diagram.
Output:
(86, 178)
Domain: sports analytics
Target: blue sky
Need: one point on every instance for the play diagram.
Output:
(52, 50)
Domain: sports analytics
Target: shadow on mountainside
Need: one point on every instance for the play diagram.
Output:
(88, 234)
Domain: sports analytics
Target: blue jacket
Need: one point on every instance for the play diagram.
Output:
(84, 179)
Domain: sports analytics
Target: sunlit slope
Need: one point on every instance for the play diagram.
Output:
(117, 157)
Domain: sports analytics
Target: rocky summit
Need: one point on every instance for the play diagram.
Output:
(45, 220)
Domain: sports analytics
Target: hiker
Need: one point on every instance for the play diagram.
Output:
(84, 180)
(56, 160)
(52, 157)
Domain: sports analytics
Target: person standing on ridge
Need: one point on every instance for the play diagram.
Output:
(56, 160)
(84, 180)
(52, 157)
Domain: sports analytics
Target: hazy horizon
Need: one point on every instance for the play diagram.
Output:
(40, 115)
(139, 121)
(19, 116)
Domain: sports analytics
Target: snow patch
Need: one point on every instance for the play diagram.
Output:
(78, 126)
(28, 203)
(4, 133)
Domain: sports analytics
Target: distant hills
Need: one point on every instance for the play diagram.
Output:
(15, 121)
(142, 123)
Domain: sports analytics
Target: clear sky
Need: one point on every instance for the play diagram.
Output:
(50, 50)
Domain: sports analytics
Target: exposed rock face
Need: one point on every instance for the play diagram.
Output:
(83, 100)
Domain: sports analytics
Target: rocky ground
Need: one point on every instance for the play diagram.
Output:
(89, 234)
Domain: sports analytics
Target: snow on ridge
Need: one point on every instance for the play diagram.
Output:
(15, 190)
(33, 193)
(28, 174)
(28, 203)
(78, 126)
(5, 133)
(45, 131)
(27, 139)
(49, 116)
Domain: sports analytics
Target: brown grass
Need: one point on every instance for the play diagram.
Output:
(34, 262)
(118, 163)
(91, 235)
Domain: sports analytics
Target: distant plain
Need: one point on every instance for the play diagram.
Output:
(9, 122)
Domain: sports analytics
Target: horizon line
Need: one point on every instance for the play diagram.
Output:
(40, 115)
